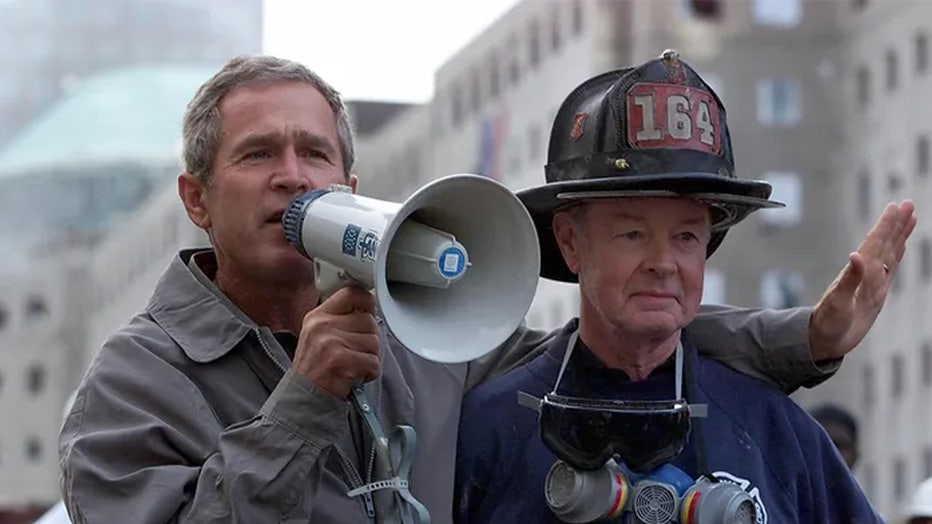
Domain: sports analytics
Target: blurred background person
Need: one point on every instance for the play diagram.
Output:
(842, 428)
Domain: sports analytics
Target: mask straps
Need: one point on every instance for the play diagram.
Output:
(697, 413)
(571, 345)
(566, 359)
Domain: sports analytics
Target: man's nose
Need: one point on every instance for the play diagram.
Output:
(290, 174)
(660, 258)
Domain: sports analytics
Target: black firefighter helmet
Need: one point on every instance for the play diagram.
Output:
(656, 130)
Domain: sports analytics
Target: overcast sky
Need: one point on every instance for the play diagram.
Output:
(376, 49)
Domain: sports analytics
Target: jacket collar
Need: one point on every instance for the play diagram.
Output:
(189, 307)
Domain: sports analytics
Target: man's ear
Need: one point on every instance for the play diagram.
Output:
(193, 193)
(564, 230)
(353, 182)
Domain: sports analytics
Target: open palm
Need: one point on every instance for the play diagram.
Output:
(851, 304)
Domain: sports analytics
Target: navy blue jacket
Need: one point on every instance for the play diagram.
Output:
(754, 436)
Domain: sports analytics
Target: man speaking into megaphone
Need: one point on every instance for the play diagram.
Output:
(240, 394)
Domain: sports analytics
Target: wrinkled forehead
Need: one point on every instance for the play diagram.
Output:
(649, 208)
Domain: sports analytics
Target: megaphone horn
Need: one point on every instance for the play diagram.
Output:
(454, 267)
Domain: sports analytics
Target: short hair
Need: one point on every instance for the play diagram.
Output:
(836, 414)
(201, 125)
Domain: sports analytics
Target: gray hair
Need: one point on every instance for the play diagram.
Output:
(201, 127)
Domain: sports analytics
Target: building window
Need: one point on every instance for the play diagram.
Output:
(864, 85)
(925, 259)
(534, 44)
(514, 65)
(535, 143)
(781, 289)
(778, 102)
(894, 183)
(925, 355)
(577, 17)
(456, 106)
(700, 9)
(514, 158)
(899, 479)
(922, 53)
(475, 91)
(777, 13)
(413, 157)
(4, 317)
(892, 66)
(495, 83)
(36, 308)
(896, 283)
(33, 449)
(868, 385)
(787, 188)
(926, 463)
(36, 379)
(897, 377)
(858, 4)
(713, 287)
(864, 195)
(555, 35)
(922, 155)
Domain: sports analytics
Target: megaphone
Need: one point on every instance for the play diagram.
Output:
(454, 267)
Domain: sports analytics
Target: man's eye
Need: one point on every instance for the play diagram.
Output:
(632, 235)
(687, 236)
(258, 154)
(315, 153)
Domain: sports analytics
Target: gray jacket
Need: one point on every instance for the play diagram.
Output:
(189, 414)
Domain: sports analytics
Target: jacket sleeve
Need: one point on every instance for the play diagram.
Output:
(142, 445)
(768, 344)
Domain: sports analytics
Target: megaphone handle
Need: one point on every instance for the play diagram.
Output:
(329, 278)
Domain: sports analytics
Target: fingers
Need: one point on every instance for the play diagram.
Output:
(347, 300)
(882, 232)
(345, 369)
(899, 244)
(339, 343)
(885, 242)
(845, 286)
(851, 276)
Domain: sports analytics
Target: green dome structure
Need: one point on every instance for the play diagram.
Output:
(96, 155)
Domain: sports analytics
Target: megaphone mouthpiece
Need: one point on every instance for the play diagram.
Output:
(425, 256)
(293, 218)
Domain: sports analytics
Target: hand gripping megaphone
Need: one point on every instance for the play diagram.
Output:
(454, 267)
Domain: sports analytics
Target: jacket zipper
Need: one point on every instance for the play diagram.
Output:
(356, 479)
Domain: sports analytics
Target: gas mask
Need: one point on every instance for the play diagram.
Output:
(587, 484)
(666, 495)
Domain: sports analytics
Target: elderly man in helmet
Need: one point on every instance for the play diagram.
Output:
(627, 421)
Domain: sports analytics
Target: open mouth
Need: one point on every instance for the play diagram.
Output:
(276, 218)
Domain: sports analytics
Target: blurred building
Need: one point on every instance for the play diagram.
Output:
(52, 45)
(92, 158)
